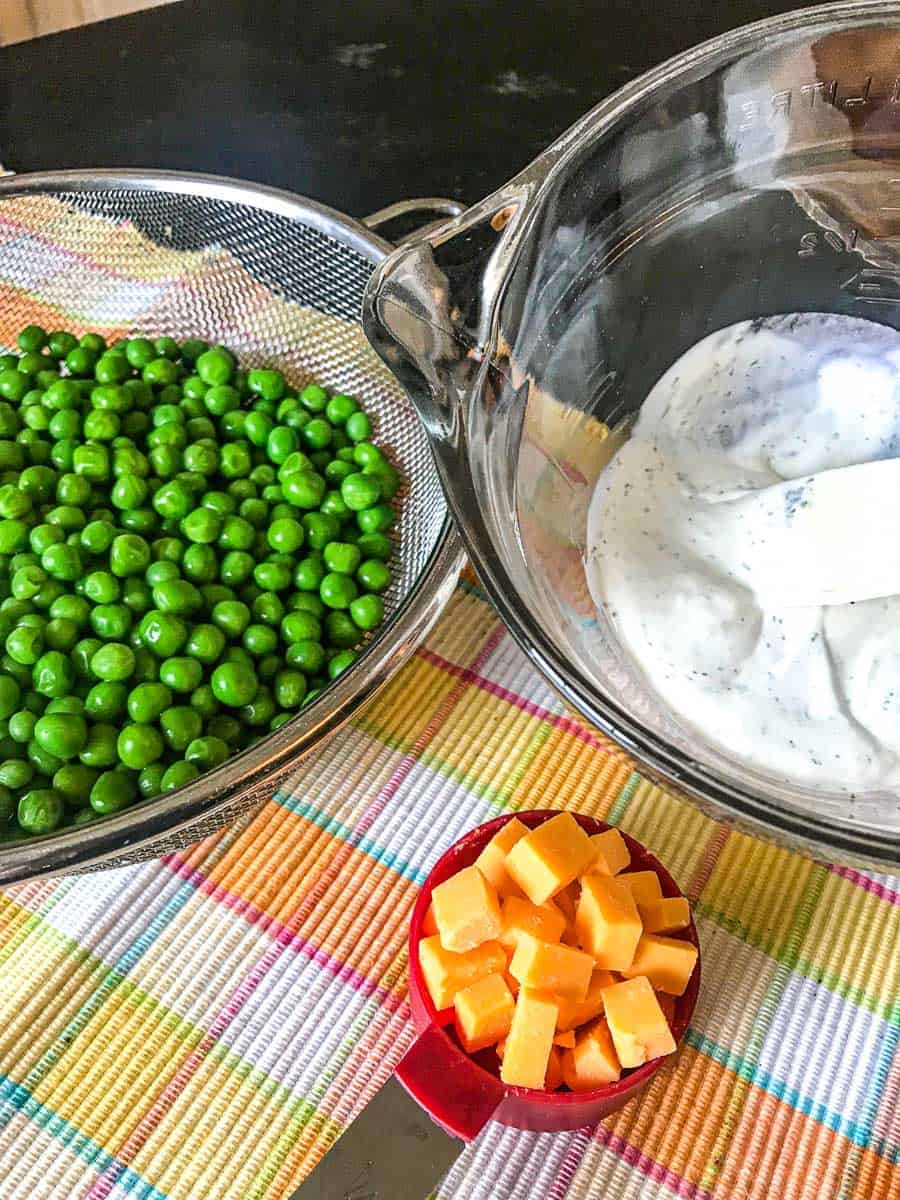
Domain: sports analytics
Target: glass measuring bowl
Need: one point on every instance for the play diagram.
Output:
(754, 175)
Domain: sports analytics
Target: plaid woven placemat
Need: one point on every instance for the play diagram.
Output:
(204, 1026)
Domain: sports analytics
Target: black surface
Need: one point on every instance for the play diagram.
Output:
(356, 104)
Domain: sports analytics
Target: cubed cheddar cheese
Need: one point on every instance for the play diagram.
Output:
(639, 1029)
(643, 885)
(607, 922)
(565, 1040)
(550, 857)
(491, 862)
(611, 855)
(483, 1012)
(551, 967)
(573, 1013)
(447, 973)
(545, 921)
(429, 925)
(666, 915)
(466, 910)
(530, 1040)
(592, 1062)
(554, 1076)
(668, 963)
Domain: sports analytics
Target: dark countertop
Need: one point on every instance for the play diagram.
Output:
(355, 105)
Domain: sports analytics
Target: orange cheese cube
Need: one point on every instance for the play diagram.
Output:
(575, 1012)
(593, 1061)
(550, 967)
(447, 973)
(483, 1012)
(639, 1029)
(491, 862)
(554, 1075)
(530, 1040)
(429, 925)
(549, 857)
(566, 1040)
(643, 885)
(667, 962)
(466, 910)
(611, 855)
(545, 921)
(607, 921)
(666, 915)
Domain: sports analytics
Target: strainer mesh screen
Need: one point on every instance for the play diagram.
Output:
(276, 290)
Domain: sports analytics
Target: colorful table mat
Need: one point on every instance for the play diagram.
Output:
(206, 1025)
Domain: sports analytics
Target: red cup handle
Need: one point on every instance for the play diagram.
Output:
(455, 1093)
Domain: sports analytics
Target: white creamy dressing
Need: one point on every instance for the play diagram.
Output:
(744, 544)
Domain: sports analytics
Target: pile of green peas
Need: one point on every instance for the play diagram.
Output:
(188, 554)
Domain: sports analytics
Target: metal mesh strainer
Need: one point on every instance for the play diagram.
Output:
(280, 280)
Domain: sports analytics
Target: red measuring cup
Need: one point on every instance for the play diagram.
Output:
(462, 1092)
(391, 1149)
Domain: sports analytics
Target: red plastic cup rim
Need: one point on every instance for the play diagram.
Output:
(463, 853)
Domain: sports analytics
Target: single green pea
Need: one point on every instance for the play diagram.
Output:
(231, 616)
(373, 575)
(148, 701)
(358, 427)
(112, 791)
(13, 536)
(290, 688)
(359, 491)
(259, 640)
(320, 529)
(273, 576)
(97, 536)
(204, 701)
(309, 573)
(202, 525)
(341, 662)
(268, 608)
(307, 656)
(113, 663)
(205, 643)
(129, 554)
(106, 701)
(202, 458)
(161, 572)
(73, 781)
(64, 735)
(100, 748)
(162, 633)
(102, 587)
(139, 352)
(200, 563)
(168, 549)
(177, 775)
(260, 710)
(111, 620)
(300, 626)
(181, 673)
(25, 644)
(234, 684)
(16, 773)
(215, 367)
(21, 724)
(236, 567)
(180, 725)
(32, 339)
(257, 428)
(40, 811)
(314, 398)
(375, 520)
(337, 591)
(286, 535)
(139, 745)
(342, 557)
(266, 383)
(82, 653)
(367, 611)
(60, 634)
(159, 372)
(281, 443)
(70, 608)
(177, 596)
(226, 727)
(304, 489)
(207, 752)
(340, 630)
(150, 780)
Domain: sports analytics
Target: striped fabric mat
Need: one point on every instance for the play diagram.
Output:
(203, 1027)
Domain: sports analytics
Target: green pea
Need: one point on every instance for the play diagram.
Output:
(207, 752)
(112, 791)
(340, 663)
(177, 596)
(129, 554)
(150, 780)
(373, 575)
(342, 557)
(340, 630)
(205, 643)
(163, 633)
(113, 663)
(375, 520)
(358, 427)
(178, 774)
(100, 748)
(314, 398)
(300, 626)
(111, 620)
(337, 591)
(201, 525)
(139, 745)
(53, 674)
(21, 724)
(15, 773)
(290, 688)
(181, 673)
(73, 781)
(215, 367)
(309, 573)
(307, 655)
(204, 701)
(106, 701)
(180, 725)
(148, 701)
(304, 489)
(234, 684)
(40, 811)
(63, 735)
(231, 616)
(340, 408)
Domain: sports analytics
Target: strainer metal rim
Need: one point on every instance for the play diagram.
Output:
(250, 770)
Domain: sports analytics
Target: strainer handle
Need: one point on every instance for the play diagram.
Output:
(425, 206)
